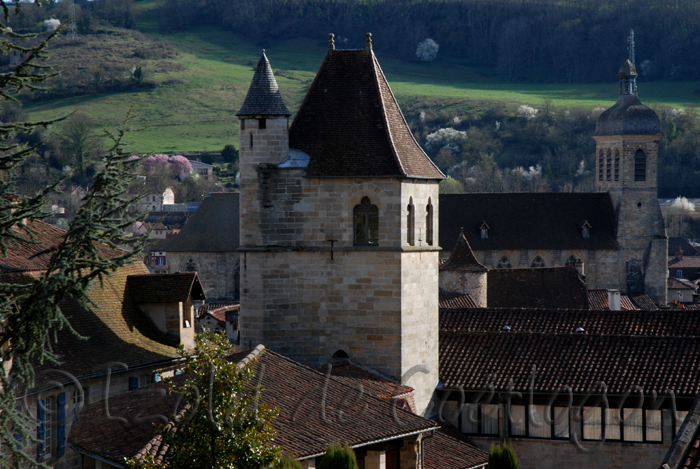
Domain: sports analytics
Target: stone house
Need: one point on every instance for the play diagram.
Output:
(219, 317)
(203, 170)
(338, 234)
(382, 433)
(684, 267)
(681, 290)
(154, 202)
(208, 244)
(132, 331)
(617, 232)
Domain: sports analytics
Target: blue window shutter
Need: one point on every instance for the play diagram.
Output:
(41, 420)
(133, 383)
(61, 425)
(156, 377)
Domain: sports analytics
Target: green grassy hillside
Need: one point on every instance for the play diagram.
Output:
(210, 75)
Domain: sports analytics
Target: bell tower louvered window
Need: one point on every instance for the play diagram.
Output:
(640, 166)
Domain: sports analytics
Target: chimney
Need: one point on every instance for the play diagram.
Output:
(614, 300)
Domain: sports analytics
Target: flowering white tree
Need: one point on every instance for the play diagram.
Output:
(51, 25)
(527, 111)
(427, 50)
(681, 203)
(449, 138)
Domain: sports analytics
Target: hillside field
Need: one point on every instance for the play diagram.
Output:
(197, 111)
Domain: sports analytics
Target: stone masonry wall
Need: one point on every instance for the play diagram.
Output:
(472, 283)
(218, 271)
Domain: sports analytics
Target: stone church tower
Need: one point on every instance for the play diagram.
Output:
(339, 220)
(627, 139)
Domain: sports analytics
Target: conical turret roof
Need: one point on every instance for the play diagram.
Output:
(463, 258)
(264, 96)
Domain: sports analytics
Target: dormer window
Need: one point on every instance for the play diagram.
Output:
(484, 228)
(585, 229)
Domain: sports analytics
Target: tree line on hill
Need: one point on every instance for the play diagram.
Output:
(546, 41)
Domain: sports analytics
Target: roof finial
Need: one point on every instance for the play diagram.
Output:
(369, 41)
(461, 231)
(630, 47)
(331, 41)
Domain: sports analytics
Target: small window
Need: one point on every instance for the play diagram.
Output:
(50, 409)
(632, 425)
(679, 274)
(144, 380)
(616, 166)
(612, 424)
(640, 166)
(586, 232)
(480, 419)
(600, 166)
(652, 426)
(538, 262)
(592, 423)
(484, 230)
(262, 123)
(608, 165)
(429, 223)
(341, 354)
(504, 263)
(242, 124)
(539, 421)
(411, 223)
(366, 223)
(251, 140)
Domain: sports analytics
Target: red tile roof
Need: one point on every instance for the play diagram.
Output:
(456, 300)
(315, 410)
(25, 254)
(685, 261)
(451, 449)
(598, 301)
(644, 302)
(368, 381)
(224, 306)
(349, 97)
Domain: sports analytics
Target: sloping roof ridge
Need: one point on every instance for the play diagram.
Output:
(686, 436)
(252, 357)
(336, 380)
(380, 73)
(377, 70)
(461, 332)
(462, 257)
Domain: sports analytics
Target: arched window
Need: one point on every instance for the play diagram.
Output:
(429, 223)
(366, 223)
(600, 166)
(504, 263)
(616, 166)
(341, 354)
(411, 223)
(190, 266)
(537, 262)
(640, 166)
(608, 165)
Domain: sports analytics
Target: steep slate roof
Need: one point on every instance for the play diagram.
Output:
(652, 349)
(20, 253)
(676, 243)
(462, 258)
(451, 449)
(165, 288)
(528, 221)
(264, 97)
(598, 300)
(628, 116)
(351, 125)
(450, 299)
(212, 228)
(303, 427)
(115, 328)
(554, 287)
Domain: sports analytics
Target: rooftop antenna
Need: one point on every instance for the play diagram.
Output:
(630, 46)
(72, 35)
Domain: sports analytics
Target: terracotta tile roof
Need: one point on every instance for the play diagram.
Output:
(263, 96)
(456, 300)
(644, 302)
(349, 97)
(462, 258)
(680, 284)
(22, 255)
(598, 301)
(555, 287)
(451, 449)
(115, 329)
(685, 261)
(528, 221)
(304, 426)
(165, 288)
(675, 323)
(368, 381)
(212, 228)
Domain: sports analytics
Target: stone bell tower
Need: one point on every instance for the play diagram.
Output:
(627, 140)
(339, 254)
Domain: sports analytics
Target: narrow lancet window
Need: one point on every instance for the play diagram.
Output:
(366, 223)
